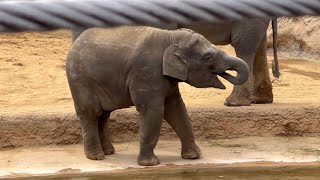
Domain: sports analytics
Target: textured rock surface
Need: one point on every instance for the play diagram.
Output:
(29, 129)
(298, 37)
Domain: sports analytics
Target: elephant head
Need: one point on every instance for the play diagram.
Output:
(194, 60)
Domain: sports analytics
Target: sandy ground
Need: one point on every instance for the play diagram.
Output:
(230, 158)
(32, 68)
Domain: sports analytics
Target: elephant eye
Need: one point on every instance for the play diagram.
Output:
(207, 58)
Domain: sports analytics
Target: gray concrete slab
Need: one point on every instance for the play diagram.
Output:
(70, 159)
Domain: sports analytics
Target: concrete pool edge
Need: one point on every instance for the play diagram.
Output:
(248, 152)
(173, 170)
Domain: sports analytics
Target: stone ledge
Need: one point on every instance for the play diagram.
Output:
(38, 128)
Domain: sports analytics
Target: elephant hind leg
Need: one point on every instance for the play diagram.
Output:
(262, 86)
(105, 140)
(89, 110)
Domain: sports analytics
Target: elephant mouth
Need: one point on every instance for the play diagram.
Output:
(217, 83)
(233, 64)
(224, 74)
(232, 79)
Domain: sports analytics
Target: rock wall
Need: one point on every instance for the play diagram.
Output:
(41, 128)
(298, 37)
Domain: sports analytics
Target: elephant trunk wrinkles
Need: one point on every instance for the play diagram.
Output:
(238, 65)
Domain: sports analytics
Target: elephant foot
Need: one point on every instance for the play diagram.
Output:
(108, 149)
(191, 152)
(262, 94)
(261, 100)
(237, 101)
(95, 154)
(148, 159)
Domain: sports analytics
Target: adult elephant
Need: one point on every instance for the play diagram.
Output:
(249, 39)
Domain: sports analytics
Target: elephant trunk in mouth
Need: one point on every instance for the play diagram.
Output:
(238, 65)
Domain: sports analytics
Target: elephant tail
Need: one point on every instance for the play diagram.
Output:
(76, 34)
(275, 62)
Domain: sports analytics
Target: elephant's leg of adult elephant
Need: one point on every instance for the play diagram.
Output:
(241, 94)
(262, 86)
(175, 113)
(106, 144)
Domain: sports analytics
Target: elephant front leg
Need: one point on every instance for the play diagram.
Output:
(176, 115)
(151, 116)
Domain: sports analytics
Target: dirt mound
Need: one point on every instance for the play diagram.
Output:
(298, 37)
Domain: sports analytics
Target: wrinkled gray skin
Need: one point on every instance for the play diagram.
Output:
(250, 42)
(114, 68)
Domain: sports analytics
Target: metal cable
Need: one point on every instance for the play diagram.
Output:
(42, 15)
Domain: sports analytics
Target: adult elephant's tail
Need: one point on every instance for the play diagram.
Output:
(275, 62)
(76, 34)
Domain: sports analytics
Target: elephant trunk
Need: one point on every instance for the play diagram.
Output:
(238, 65)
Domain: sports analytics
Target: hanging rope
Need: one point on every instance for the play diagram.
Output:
(43, 15)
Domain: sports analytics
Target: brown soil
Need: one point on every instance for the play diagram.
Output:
(32, 67)
(34, 91)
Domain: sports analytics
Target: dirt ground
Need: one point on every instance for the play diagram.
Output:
(32, 76)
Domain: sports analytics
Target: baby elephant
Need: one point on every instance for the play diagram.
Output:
(110, 69)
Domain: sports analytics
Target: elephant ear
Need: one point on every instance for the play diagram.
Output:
(174, 65)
